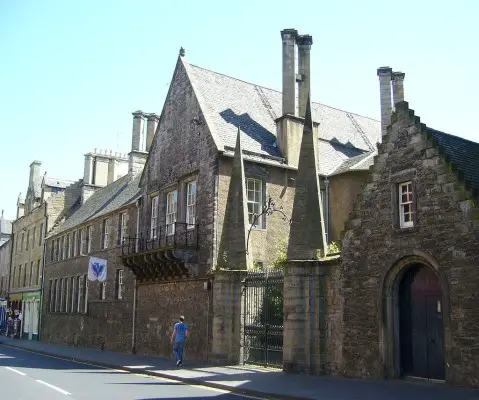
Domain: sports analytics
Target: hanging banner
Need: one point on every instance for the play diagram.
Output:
(97, 269)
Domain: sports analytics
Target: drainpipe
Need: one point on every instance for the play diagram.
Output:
(326, 207)
(135, 288)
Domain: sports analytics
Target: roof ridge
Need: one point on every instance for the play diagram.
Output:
(454, 136)
(279, 91)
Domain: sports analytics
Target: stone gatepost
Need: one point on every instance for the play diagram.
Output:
(313, 318)
(306, 277)
(227, 284)
(227, 316)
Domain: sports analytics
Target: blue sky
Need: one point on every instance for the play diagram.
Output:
(71, 72)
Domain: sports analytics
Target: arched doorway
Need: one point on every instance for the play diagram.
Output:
(421, 326)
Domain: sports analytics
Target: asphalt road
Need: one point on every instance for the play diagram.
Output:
(25, 375)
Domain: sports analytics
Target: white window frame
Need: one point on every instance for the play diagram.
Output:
(31, 283)
(72, 300)
(82, 241)
(123, 227)
(171, 210)
(119, 285)
(34, 236)
(74, 243)
(191, 188)
(154, 218)
(39, 273)
(103, 290)
(69, 246)
(85, 285)
(40, 237)
(406, 208)
(66, 307)
(79, 286)
(255, 200)
(105, 232)
(89, 238)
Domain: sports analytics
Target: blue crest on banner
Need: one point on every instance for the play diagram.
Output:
(97, 269)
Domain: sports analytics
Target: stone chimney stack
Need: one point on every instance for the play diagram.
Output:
(304, 54)
(398, 87)
(289, 70)
(151, 125)
(137, 140)
(139, 146)
(385, 76)
(112, 170)
(35, 171)
(88, 169)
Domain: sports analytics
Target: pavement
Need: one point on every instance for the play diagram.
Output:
(122, 369)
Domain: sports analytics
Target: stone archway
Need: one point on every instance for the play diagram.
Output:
(389, 309)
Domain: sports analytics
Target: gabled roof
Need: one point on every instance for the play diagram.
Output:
(228, 102)
(117, 194)
(462, 153)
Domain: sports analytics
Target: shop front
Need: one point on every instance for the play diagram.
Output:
(31, 314)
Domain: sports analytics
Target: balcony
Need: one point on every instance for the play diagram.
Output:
(164, 254)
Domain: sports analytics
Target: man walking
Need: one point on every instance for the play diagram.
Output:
(178, 338)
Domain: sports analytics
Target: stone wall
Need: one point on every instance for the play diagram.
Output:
(159, 307)
(312, 317)
(5, 261)
(343, 193)
(182, 150)
(107, 323)
(21, 272)
(445, 237)
(264, 244)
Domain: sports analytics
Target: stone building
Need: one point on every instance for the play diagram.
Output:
(193, 231)
(202, 188)
(5, 254)
(77, 311)
(46, 202)
(410, 254)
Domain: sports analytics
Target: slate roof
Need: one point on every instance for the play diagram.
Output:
(361, 162)
(105, 200)
(228, 102)
(54, 182)
(462, 153)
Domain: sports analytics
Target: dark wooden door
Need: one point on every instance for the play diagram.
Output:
(421, 324)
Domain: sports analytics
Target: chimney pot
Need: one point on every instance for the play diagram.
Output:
(151, 125)
(289, 70)
(304, 83)
(385, 76)
(398, 87)
(137, 132)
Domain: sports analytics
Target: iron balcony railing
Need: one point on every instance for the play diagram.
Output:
(177, 235)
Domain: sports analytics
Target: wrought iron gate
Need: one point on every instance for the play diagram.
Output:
(263, 318)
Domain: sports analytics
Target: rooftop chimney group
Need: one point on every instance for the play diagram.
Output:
(391, 92)
(296, 74)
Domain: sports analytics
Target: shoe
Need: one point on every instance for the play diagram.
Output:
(178, 363)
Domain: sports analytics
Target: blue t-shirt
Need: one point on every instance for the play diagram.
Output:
(181, 329)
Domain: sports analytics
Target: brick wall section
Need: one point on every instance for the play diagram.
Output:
(447, 232)
(159, 308)
(107, 323)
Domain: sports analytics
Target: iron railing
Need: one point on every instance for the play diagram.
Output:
(177, 235)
